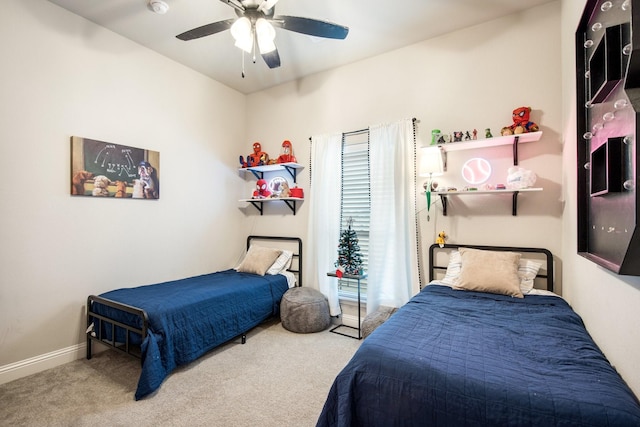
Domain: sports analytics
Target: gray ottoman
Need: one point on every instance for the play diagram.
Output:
(304, 310)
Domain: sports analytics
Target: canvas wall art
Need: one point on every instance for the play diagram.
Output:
(104, 169)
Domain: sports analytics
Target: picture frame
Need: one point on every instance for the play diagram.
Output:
(104, 169)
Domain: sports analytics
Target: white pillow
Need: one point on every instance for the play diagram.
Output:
(527, 271)
(282, 263)
(453, 269)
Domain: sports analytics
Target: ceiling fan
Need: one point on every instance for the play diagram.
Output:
(254, 27)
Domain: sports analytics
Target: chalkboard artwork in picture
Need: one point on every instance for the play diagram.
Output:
(103, 169)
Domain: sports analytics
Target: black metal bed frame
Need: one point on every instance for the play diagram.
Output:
(94, 332)
(547, 275)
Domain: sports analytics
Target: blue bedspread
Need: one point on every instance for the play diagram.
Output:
(191, 316)
(456, 358)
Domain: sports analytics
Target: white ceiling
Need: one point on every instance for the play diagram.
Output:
(375, 27)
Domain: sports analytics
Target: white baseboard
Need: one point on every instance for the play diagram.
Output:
(36, 364)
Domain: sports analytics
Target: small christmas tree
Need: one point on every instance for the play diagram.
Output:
(349, 259)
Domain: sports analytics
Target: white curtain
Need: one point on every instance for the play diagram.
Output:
(393, 252)
(324, 218)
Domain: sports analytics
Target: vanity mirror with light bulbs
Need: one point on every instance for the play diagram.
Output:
(608, 104)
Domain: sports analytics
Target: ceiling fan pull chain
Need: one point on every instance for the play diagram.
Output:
(242, 64)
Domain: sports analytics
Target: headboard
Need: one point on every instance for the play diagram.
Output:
(293, 244)
(546, 274)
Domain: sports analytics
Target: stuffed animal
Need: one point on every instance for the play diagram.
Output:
(441, 238)
(262, 190)
(101, 186)
(285, 190)
(257, 158)
(521, 123)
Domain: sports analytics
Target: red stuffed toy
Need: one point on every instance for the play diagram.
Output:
(262, 190)
(521, 123)
(257, 158)
(287, 153)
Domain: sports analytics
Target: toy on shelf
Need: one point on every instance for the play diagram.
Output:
(257, 158)
(262, 190)
(285, 191)
(440, 240)
(286, 154)
(521, 123)
(519, 178)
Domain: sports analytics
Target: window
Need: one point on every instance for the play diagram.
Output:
(355, 202)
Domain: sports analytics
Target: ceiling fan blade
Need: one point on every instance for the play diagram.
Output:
(206, 30)
(272, 59)
(312, 27)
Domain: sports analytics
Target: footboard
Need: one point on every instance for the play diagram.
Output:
(97, 323)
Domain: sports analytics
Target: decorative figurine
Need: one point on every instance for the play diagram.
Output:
(286, 155)
(487, 133)
(521, 123)
(262, 190)
(475, 134)
(467, 136)
(457, 136)
(435, 136)
(440, 240)
(257, 158)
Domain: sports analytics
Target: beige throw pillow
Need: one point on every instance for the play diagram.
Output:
(489, 271)
(258, 260)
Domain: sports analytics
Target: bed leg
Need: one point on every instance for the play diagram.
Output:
(244, 338)
(88, 348)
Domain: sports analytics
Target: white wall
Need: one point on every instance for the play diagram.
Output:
(608, 303)
(468, 79)
(64, 76)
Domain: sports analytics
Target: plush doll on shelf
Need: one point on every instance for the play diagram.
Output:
(262, 190)
(286, 155)
(521, 123)
(257, 158)
(440, 240)
(285, 190)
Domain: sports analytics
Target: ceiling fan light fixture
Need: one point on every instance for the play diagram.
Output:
(157, 6)
(242, 34)
(265, 33)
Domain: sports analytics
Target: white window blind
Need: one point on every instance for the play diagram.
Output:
(355, 202)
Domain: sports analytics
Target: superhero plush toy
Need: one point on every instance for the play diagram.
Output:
(521, 123)
(257, 158)
(262, 190)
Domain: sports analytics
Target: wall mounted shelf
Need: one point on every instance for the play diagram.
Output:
(259, 203)
(291, 168)
(514, 140)
(514, 193)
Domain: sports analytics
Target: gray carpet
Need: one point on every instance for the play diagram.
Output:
(278, 378)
